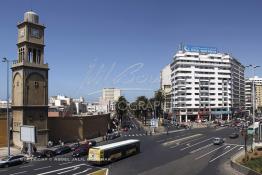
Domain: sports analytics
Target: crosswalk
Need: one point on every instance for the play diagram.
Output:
(133, 135)
(202, 148)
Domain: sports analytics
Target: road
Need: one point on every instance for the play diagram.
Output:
(182, 152)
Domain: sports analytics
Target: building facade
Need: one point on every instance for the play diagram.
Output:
(109, 98)
(205, 84)
(166, 87)
(111, 94)
(30, 80)
(258, 94)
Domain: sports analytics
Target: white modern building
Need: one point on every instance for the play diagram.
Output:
(206, 84)
(166, 87)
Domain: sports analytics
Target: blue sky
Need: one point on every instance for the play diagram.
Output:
(125, 43)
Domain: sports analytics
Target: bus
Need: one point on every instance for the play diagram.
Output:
(105, 154)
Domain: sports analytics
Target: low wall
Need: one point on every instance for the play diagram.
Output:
(73, 128)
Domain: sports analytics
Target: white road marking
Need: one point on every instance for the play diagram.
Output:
(192, 140)
(196, 144)
(240, 148)
(65, 163)
(42, 168)
(83, 171)
(133, 135)
(208, 153)
(227, 147)
(18, 173)
(175, 145)
(49, 172)
(25, 166)
(222, 154)
(233, 144)
(199, 149)
(179, 140)
(66, 171)
(176, 131)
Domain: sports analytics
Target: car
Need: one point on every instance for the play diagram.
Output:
(113, 135)
(73, 146)
(82, 150)
(46, 153)
(63, 150)
(234, 135)
(125, 129)
(12, 160)
(218, 141)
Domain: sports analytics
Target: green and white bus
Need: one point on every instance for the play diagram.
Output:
(111, 152)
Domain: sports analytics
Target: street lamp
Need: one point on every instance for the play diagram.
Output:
(7, 104)
(253, 99)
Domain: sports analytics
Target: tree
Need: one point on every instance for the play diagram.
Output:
(159, 101)
(142, 106)
(121, 108)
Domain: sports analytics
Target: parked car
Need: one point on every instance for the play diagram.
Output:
(82, 150)
(44, 153)
(12, 160)
(234, 135)
(218, 141)
(63, 150)
(113, 135)
(73, 146)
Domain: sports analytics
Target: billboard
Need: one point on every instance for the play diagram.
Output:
(28, 134)
(200, 49)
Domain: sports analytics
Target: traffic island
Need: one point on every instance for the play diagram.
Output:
(249, 164)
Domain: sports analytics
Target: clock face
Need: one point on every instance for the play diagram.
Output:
(35, 33)
(22, 32)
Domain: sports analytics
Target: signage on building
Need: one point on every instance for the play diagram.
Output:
(28, 134)
(154, 123)
(220, 112)
(189, 48)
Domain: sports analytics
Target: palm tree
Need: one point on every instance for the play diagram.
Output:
(142, 105)
(159, 101)
(133, 109)
(121, 108)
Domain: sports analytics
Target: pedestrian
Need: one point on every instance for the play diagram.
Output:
(34, 148)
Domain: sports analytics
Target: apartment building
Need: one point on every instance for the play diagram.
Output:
(258, 94)
(206, 84)
(166, 87)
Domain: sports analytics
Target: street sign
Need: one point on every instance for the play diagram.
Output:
(154, 123)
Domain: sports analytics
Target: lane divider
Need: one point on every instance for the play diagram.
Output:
(179, 140)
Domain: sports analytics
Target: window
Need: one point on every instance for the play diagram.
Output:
(36, 84)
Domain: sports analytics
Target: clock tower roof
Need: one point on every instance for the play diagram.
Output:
(31, 16)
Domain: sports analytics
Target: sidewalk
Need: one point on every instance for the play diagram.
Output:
(13, 151)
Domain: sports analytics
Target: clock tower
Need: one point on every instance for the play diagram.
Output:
(30, 80)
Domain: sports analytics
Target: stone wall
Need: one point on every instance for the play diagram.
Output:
(73, 128)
